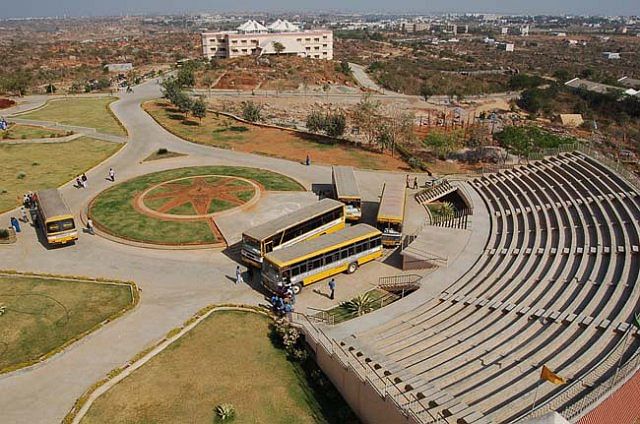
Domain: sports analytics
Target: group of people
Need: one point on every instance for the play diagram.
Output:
(415, 182)
(83, 182)
(283, 300)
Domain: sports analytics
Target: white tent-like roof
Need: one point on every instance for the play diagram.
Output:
(283, 26)
(252, 26)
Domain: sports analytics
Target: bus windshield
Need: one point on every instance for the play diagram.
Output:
(62, 225)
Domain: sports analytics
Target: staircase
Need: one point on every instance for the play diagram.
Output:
(436, 191)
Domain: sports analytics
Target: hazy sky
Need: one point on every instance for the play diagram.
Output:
(22, 8)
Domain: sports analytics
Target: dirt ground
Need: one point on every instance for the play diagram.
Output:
(220, 131)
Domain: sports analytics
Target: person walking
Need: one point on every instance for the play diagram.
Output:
(332, 287)
(90, 228)
(308, 161)
(239, 275)
(415, 183)
(23, 214)
(15, 224)
(408, 181)
(85, 180)
(112, 175)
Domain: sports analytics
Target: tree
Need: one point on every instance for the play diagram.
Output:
(335, 124)
(199, 109)
(16, 82)
(251, 111)
(345, 68)
(186, 78)
(278, 47)
(515, 140)
(315, 121)
(184, 103)
(443, 142)
(50, 89)
(170, 89)
(426, 91)
(366, 114)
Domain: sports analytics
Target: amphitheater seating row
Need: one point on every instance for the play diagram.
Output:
(557, 285)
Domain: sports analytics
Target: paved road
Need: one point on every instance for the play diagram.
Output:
(360, 74)
(175, 284)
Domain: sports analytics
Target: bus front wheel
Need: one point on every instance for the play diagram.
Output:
(297, 288)
(353, 266)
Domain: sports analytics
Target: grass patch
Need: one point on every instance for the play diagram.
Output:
(41, 315)
(92, 112)
(227, 358)
(114, 212)
(227, 133)
(21, 132)
(33, 167)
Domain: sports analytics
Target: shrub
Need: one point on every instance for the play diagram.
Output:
(225, 412)
(251, 111)
(360, 305)
(4, 233)
(238, 129)
(21, 175)
(163, 151)
(34, 164)
(23, 136)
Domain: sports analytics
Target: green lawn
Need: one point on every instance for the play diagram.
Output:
(41, 315)
(31, 167)
(92, 112)
(227, 358)
(113, 209)
(20, 131)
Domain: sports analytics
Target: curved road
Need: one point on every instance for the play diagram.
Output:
(175, 284)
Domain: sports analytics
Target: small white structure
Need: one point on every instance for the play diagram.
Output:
(252, 27)
(283, 26)
(611, 55)
(504, 30)
(507, 47)
(119, 67)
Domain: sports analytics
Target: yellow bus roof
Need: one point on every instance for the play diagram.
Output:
(344, 180)
(266, 230)
(322, 244)
(52, 205)
(392, 203)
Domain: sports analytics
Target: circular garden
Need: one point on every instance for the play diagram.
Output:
(179, 206)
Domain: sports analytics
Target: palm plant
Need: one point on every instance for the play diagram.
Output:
(225, 412)
(360, 305)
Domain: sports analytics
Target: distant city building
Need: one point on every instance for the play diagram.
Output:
(415, 26)
(504, 30)
(507, 47)
(281, 37)
(524, 30)
(118, 67)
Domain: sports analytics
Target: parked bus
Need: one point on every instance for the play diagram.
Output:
(54, 217)
(323, 217)
(391, 212)
(346, 190)
(313, 260)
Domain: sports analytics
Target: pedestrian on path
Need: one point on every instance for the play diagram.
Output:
(408, 179)
(23, 214)
(15, 224)
(239, 279)
(415, 183)
(90, 228)
(308, 161)
(112, 175)
(332, 287)
(79, 183)
(85, 180)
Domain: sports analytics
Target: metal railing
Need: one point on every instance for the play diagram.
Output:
(564, 402)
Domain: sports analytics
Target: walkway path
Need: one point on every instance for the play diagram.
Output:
(175, 284)
(360, 74)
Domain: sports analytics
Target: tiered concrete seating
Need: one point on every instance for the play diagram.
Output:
(557, 285)
(435, 192)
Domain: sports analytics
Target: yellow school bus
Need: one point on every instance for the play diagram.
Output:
(346, 190)
(391, 212)
(314, 260)
(323, 217)
(54, 217)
